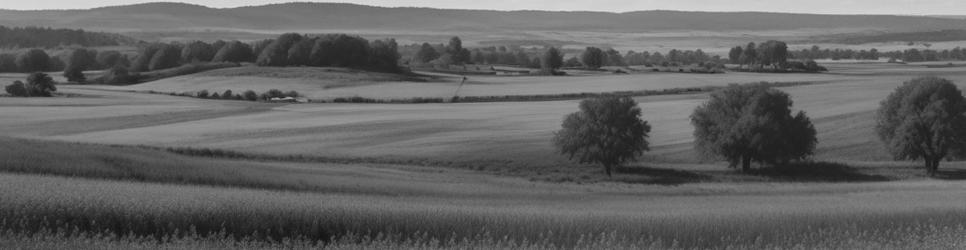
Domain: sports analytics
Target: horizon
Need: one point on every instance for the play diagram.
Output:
(572, 6)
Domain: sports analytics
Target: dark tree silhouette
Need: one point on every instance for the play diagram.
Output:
(746, 123)
(592, 58)
(33, 60)
(923, 119)
(607, 131)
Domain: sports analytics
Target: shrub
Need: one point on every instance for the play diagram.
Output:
(202, 94)
(250, 95)
(118, 75)
(40, 84)
(17, 88)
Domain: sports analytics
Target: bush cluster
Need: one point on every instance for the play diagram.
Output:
(248, 95)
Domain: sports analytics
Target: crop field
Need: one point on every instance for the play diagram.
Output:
(94, 169)
(123, 196)
(842, 105)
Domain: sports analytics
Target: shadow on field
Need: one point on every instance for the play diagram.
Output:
(659, 176)
(950, 174)
(817, 172)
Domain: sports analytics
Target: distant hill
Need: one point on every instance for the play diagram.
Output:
(338, 16)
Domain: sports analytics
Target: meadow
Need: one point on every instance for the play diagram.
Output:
(105, 167)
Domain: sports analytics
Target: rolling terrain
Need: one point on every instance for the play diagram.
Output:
(515, 134)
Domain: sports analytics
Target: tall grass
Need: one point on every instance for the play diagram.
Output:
(119, 212)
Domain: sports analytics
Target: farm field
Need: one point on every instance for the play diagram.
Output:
(422, 175)
(142, 193)
(841, 104)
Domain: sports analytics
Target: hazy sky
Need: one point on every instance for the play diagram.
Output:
(902, 7)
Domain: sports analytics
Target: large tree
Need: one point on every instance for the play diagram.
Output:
(734, 56)
(592, 58)
(33, 60)
(276, 53)
(168, 56)
(40, 84)
(923, 119)
(752, 123)
(607, 131)
(773, 53)
(426, 53)
(78, 61)
(234, 51)
(552, 60)
(197, 51)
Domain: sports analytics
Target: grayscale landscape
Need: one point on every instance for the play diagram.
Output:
(348, 126)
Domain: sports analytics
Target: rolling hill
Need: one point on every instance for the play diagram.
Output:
(338, 16)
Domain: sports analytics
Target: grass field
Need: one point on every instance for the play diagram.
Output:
(123, 196)
(388, 176)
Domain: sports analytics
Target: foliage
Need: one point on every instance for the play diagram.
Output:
(110, 58)
(426, 54)
(607, 130)
(552, 60)
(33, 60)
(145, 54)
(168, 56)
(197, 51)
(592, 58)
(117, 75)
(745, 123)
(78, 61)
(17, 88)
(40, 37)
(384, 55)
(40, 84)
(235, 52)
(923, 119)
(276, 53)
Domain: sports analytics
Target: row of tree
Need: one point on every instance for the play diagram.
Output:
(771, 53)
(38, 37)
(907, 55)
(924, 118)
(34, 60)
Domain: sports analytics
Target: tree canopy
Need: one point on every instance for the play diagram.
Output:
(592, 58)
(752, 123)
(552, 60)
(923, 119)
(33, 60)
(607, 131)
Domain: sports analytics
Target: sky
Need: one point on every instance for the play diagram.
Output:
(898, 7)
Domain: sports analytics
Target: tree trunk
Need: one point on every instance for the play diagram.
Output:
(607, 170)
(745, 164)
(931, 165)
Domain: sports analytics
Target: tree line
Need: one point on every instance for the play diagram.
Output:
(40, 37)
(924, 119)
(907, 55)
